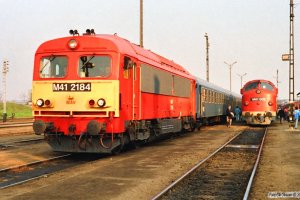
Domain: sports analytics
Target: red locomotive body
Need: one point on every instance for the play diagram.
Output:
(259, 102)
(96, 93)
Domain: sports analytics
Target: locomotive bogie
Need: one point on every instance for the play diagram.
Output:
(259, 118)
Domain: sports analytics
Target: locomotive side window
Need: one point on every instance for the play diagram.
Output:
(266, 86)
(94, 66)
(251, 86)
(53, 67)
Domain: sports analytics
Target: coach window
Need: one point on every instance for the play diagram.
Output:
(203, 95)
(266, 86)
(53, 67)
(94, 66)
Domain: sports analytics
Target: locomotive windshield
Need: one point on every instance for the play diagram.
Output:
(262, 85)
(94, 66)
(266, 86)
(53, 67)
(251, 86)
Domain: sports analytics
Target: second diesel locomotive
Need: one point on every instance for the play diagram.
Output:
(96, 93)
(259, 102)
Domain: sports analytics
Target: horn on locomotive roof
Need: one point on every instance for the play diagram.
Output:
(90, 32)
(73, 32)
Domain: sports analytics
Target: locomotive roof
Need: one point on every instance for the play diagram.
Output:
(107, 42)
(215, 87)
(259, 80)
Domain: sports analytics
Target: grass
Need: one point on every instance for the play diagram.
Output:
(20, 110)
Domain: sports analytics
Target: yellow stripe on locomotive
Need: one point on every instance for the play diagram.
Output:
(76, 98)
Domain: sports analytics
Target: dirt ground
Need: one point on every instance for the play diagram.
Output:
(16, 156)
(279, 168)
(137, 174)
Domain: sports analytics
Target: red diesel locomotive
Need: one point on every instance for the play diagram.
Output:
(96, 93)
(259, 102)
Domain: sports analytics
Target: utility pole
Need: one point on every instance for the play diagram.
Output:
(141, 23)
(241, 76)
(230, 66)
(207, 57)
(277, 78)
(4, 72)
(291, 54)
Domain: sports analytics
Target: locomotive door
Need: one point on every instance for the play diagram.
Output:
(132, 85)
(136, 94)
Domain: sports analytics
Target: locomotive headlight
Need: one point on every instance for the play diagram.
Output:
(258, 91)
(40, 102)
(72, 44)
(101, 102)
(270, 103)
(246, 103)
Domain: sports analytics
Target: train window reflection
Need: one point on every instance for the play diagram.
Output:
(53, 67)
(251, 86)
(94, 66)
(266, 86)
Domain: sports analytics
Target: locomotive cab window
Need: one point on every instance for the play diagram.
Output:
(266, 86)
(94, 66)
(53, 67)
(251, 86)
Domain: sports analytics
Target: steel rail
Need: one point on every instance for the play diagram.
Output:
(159, 195)
(21, 141)
(247, 192)
(29, 140)
(18, 143)
(26, 165)
(16, 125)
(33, 163)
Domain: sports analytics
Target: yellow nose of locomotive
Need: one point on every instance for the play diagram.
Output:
(80, 98)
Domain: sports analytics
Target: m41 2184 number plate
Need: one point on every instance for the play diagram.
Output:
(71, 87)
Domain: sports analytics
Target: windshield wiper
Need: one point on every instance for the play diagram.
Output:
(84, 64)
(50, 60)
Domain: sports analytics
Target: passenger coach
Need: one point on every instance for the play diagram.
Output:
(212, 102)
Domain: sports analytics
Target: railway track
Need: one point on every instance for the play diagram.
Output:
(16, 124)
(225, 174)
(20, 174)
(18, 143)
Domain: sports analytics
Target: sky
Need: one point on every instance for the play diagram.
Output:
(255, 33)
